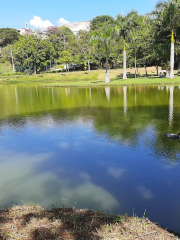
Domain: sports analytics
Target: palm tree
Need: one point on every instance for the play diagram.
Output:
(137, 22)
(169, 19)
(124, 29)
(102, 38)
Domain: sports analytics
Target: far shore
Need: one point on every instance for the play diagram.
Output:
(94, 78)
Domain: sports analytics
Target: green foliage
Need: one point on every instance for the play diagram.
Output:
(100, 21)
(8, 36)
(66, 35)
(3, 60)
(148, 37)
(86, 48)
(65, 57)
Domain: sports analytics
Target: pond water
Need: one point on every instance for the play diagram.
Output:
(98, 148)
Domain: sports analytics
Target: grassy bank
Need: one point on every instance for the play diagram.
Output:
(92, 79)
(32, 222)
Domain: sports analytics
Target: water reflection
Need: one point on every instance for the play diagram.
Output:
(125, 99)
(68, 145)
(107, 90)
(171, 106)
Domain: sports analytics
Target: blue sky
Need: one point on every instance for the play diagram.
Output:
(15, 13)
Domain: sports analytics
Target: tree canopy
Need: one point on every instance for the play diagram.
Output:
(139, 40)
(8, 36)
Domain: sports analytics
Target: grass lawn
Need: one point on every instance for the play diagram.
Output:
(93, 78)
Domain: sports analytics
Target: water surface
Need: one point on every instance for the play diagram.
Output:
(99, 148)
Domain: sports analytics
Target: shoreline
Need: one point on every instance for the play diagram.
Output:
(33, 222)
(94, 78)
(111, 85)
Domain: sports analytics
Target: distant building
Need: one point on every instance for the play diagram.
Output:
(25, 31)
(77, 26)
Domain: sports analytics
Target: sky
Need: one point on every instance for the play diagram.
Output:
(43, 13)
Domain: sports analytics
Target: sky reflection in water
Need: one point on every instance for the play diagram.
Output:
(106, 153)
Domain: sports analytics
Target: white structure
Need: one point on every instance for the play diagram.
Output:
(77, 26)
(24, 31)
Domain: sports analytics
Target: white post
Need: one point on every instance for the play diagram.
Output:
(172, 57)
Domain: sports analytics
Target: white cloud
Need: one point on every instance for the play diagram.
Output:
(64, 145)
(116, 172)
(62, 21)
(39, 23)
(27, 182)
(145, 193)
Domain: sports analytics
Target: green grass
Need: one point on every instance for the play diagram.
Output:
(92, 79)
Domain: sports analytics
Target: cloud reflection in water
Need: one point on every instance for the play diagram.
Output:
(21, 182)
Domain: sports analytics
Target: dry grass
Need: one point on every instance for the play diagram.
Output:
(32, 222)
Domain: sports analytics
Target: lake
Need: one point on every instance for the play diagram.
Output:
(98, 148)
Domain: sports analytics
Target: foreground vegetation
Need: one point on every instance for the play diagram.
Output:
(90, 78)
(32, 222)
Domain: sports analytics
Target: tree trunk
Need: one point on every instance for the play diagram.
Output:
(12, 59)
(157, 70)
(178, 68)
(28, 62)
(135, 57)
(68, 67)
(145, 70)
(89, 67)
(107, 79)
(124, 65)
(172, 60)
(137, 71)
(34, 66)
(50, 62)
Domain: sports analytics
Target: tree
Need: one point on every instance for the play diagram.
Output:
(103, 38)
(144, 35)
(137, 21)
(35, 51)
(99, 21)
(168, 18)
(66, 58)
(123, 29)
(54, 38)
(66, 35)
(8, 54)
(8, 36)
(85, 46)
